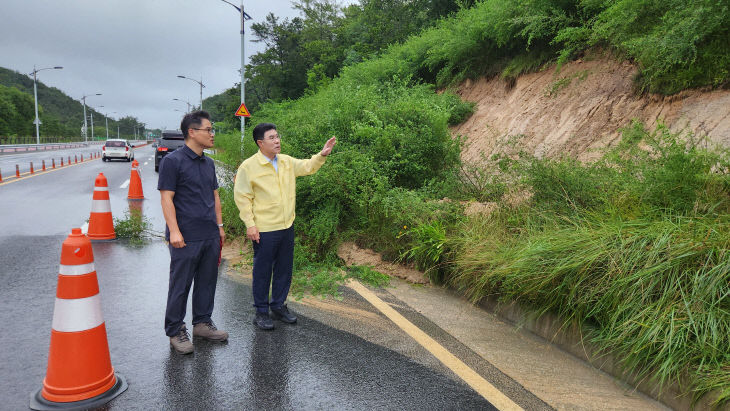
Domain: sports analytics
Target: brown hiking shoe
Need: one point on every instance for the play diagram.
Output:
(209, 332)
(181, 342)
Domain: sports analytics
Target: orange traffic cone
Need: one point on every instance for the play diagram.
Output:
(80, 374)
(101, 224)
(135, 184)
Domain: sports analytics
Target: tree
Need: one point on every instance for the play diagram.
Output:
(17, 112)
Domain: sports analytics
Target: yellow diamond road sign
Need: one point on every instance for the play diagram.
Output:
(243, 111)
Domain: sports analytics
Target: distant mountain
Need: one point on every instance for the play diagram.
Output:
(61, 115)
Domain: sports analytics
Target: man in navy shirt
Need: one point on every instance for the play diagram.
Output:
(192, 209)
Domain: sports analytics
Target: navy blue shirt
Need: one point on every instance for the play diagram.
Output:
(192, 178)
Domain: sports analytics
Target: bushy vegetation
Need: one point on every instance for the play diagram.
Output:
(134, 227)
(16, 112)
(633, 248)
(676, 44)
(305, 53)
(392, 138)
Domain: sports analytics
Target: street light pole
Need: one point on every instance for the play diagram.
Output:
(106, 121)
(184, 101)
(86, 137)
(114, 112)
(35, 98)
(201, 87)
(92, 125)
(244, 17)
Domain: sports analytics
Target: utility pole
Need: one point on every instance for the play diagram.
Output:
(37, 121)
(86, 130)
(201, 88)
(244, 17)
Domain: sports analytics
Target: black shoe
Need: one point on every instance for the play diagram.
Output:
(283, 314)
(263, 321)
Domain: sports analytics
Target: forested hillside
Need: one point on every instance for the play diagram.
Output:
(305, 53)
(61, 116)
(632, 247)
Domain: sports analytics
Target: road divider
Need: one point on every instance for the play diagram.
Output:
(32, 173)
(469, 376)
(80, 373)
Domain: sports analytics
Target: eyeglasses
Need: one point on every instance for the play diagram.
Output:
(210, 131)
(272, 138)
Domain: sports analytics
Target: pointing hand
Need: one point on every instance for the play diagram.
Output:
(327, 149)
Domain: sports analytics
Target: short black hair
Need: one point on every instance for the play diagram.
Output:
(194, 119)
(261, 129)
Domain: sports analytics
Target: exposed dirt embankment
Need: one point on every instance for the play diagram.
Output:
(580, 109)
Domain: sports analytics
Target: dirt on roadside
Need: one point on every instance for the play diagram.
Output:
(354, 255)
(579, 110)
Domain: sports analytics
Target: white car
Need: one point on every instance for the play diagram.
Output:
(119, 149)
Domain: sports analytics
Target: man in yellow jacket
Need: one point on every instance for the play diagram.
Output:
(265, 193)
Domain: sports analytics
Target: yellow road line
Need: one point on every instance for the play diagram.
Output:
(475, 381)
(27, 174)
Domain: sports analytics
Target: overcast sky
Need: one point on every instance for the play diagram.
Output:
(131, 51)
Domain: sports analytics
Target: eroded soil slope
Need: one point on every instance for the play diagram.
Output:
(579, 110)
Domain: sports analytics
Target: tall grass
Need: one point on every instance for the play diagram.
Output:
(635, 248)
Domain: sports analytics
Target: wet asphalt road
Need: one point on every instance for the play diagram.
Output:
(326, 361)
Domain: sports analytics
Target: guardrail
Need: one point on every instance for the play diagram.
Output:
(26, 148)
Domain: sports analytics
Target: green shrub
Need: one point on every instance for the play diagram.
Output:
(429, 249)
(134, 226)
(633, 247)
(368, 275)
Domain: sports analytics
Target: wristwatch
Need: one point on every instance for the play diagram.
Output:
(220, 225)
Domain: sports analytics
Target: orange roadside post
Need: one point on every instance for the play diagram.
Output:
(80, 374)
(101, 223)
(135, 183)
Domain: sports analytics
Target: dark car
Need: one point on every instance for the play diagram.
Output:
(171, 140)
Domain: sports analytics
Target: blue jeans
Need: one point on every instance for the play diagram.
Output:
(274, 253)
(198, 261)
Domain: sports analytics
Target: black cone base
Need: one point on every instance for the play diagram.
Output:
(37, 402)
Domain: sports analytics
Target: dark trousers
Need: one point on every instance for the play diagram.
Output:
(196, 262)
(273, 253)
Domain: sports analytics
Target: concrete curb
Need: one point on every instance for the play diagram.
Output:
(550, 327)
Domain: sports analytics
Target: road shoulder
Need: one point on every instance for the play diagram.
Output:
(555, 376)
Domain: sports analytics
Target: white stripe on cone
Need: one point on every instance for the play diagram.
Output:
(79, 314)
(101, 206)
(101, 188)
(80, 269)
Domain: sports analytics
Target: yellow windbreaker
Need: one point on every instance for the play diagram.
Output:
(265, 198)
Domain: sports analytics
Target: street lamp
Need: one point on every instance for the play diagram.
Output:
(114, 112)
(86, 138)
(93, 137)
(184, 101)
(106, 121)
(35, 96)
(244, 17)
(201, 87)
